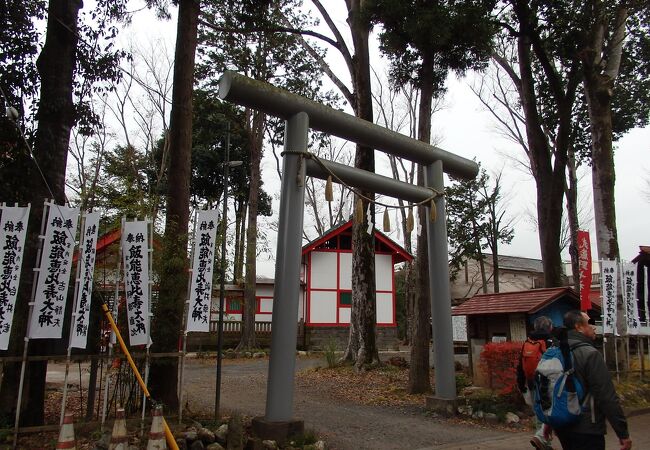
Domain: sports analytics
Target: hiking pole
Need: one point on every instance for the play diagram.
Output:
(171, 442)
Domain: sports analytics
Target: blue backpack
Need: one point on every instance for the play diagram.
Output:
(558, 395)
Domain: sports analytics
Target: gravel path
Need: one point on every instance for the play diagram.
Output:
(345, 426)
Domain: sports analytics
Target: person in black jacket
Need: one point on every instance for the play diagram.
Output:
(602, 402)
(542, 331)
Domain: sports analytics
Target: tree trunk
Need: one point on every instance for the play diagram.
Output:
(549, 178)
(599, 90)
(168, 310)
(419, 380)
(572, 212)
(495, 267)
(55, 116)
(241, 244)
(248, 318)
(362, 345)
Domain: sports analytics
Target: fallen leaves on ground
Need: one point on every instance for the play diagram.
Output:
(383, 386)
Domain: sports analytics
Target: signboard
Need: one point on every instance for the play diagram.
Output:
(200, 298)
(608, 287)
(87, 253)
(13, 229)
(135, 248)
(54, 272)
(628, 280)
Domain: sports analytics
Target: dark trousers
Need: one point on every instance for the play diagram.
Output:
(581, 441)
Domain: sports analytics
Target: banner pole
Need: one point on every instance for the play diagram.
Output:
(639, 353)
(39, 251)
(73, 319)
(618, 378)
(111, 338)
(150, 313)
(184, 324)
(144, 396)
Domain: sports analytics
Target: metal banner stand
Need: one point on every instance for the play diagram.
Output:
(73, 320)
(639, 353)
(618, 377)
(41, 237)
(146, 362)
(112, 338)
(186, 313)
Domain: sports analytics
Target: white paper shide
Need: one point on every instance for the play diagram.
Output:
(135, 248)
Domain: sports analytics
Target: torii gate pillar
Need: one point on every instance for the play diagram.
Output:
(278, 423)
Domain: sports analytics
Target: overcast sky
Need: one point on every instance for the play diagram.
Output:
(467, 129)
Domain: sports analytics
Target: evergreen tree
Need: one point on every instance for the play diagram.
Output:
(424, 41)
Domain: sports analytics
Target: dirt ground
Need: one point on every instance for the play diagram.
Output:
(344, 424)
(350, 411)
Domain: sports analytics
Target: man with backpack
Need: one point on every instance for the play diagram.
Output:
(531, 352)
(599, 401)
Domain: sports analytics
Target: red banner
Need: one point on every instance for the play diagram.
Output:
(584, 263)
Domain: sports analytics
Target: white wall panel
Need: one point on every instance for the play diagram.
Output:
(384, 308)
(344, 315)
(266, 305)
(322, 307)
(345, 271)
(384, 272)
(323, 270)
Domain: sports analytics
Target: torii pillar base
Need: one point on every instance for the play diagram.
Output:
(277, 431)
(444, 406)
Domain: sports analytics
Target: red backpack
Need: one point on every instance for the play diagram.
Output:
(531, 353)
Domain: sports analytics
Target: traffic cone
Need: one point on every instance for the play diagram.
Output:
(119, 438)
(66, 435)
(157, 435)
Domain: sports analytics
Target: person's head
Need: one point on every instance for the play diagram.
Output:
(543, 324)
(579, 321)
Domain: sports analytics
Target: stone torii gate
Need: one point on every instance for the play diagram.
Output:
(300, 115)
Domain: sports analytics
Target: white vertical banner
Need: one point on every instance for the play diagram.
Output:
(87, 254)
(200, 299)
(13, 229)
(136, 280)
(608, 287)
(628, 280)
(54, 272)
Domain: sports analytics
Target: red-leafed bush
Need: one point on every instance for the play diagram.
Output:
(499, 361)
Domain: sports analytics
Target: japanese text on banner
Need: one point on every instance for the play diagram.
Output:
(136, 278)
(608, 287)
(628, 280)
(198, 316)
(54, 274)
(13, 228)
(87, 253)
